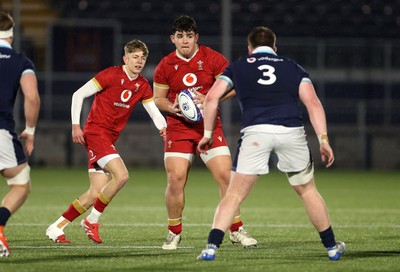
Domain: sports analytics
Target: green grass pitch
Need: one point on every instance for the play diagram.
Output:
(364, 209)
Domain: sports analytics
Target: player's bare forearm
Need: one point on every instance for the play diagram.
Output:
(167, 106)
(31, 110)
(229, 94)
(31, 99)
(162, 103)
(314, 107)
(317, 119)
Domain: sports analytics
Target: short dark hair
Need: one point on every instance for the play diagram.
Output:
(261, 36)
(6, 21)
(184, 23)
(135, 45)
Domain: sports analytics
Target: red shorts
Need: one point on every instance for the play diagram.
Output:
(99, 145)
(185, 140)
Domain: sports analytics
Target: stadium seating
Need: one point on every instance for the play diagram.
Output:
(316, 18)
(364, 24)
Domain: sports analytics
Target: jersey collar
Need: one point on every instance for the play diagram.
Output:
(185, 59)
(127, 74)
(264, 49)
(3, 43)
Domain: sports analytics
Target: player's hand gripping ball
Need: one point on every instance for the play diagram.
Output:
(189, 109)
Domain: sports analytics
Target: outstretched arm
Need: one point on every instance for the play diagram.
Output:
(219, 89)
(155, 114)
(200, 98)
(318, 120)
(83, 92)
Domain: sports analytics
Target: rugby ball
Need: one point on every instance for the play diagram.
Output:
(188, 108)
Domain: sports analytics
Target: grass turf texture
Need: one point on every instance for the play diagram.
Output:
(364, 209)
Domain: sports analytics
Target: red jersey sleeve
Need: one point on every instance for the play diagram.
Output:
(147, 91)
(160, 78)
(103, 78)
(218, 61)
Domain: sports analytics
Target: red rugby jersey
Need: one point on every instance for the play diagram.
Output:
(119, 94)
(198, 73)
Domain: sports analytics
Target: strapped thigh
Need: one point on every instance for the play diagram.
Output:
(21, 178)
(301, 177)
(217, 151)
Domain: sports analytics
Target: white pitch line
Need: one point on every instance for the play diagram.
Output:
(98, 247)
(212, 209)
(367, 226)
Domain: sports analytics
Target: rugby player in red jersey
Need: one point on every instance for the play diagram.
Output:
(195, 67)
(117, 90)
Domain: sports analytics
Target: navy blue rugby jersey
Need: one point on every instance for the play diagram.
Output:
(267, 87)
(12, 66)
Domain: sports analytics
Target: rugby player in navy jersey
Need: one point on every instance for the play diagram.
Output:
(16, 72)
(269, 87)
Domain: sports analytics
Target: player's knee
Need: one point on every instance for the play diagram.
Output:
(121, 179)
(301, 177)
(223, 185)
(225, 177)
(22, 178)
(175, 188)
(176, 185)
(176, 178)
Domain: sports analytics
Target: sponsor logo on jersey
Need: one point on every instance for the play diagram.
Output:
(270, 59)
(189, 79)
(2, 56)
(125, 96)
(121, 105)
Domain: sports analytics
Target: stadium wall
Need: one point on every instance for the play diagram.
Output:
(141, 146)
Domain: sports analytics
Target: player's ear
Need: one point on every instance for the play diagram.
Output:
(249, 49)
(125, 58)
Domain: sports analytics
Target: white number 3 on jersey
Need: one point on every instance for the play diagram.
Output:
(269, 73)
